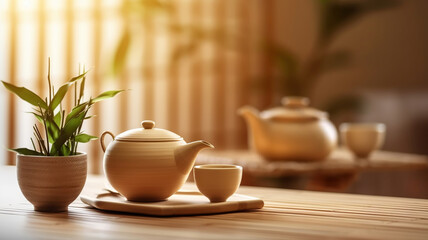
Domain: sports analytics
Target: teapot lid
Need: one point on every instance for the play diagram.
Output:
(148, 133)
(293, 109)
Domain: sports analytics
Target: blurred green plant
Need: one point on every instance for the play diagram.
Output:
(187, 37)
(63, 132)
(334, 15)
(140, 13)
(297, 76)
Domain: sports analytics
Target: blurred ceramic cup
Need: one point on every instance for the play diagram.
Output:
(363, 138)
(217, 181)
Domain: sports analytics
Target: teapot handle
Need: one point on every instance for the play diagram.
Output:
(102, 139)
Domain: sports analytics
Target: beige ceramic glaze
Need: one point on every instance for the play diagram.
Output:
(291, 132)
(51, 183)
(363, 138)
(217, 181)
(149, 164)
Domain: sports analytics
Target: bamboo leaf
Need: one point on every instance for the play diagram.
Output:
(65, 150)
(53, 130)
(76, 110)
(288, 66)
(285, 58)
(84, 138)
(57, 119)
(184, 50)
(38, 117)
(59, 96)
(82, 89)
(26, 151)
(69, 128)
(78, 77)
(106, 95)
(336, 15)
(52, 125)
(26, 95)
(121, 53)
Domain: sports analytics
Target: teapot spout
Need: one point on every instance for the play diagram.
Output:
(185, 154)
(250, 114)
(255, 125)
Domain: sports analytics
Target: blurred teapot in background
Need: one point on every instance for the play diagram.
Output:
(293, 131)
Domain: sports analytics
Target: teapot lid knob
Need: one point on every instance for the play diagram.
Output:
(147, 124)
(295, 102)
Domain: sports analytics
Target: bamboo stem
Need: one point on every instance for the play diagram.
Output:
(75, 90)
(46, 129)
(34, 146)
(63, 119)
(49, 80)
(40, 140)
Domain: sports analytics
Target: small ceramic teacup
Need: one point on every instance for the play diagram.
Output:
(217, 181)
(363, 138)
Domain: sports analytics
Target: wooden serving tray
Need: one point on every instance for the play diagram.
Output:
(181, 203)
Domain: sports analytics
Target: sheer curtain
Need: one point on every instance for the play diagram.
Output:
(188, 64)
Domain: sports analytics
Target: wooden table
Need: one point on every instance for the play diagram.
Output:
(335, 173)
(288, 214)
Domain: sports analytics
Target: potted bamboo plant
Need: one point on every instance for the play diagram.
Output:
(52, 174)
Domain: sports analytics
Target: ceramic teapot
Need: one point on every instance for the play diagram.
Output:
(149, 164)
(290, 132)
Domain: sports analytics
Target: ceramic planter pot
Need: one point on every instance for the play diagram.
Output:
(51, 183)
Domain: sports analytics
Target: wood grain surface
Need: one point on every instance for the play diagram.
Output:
(287, 214)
